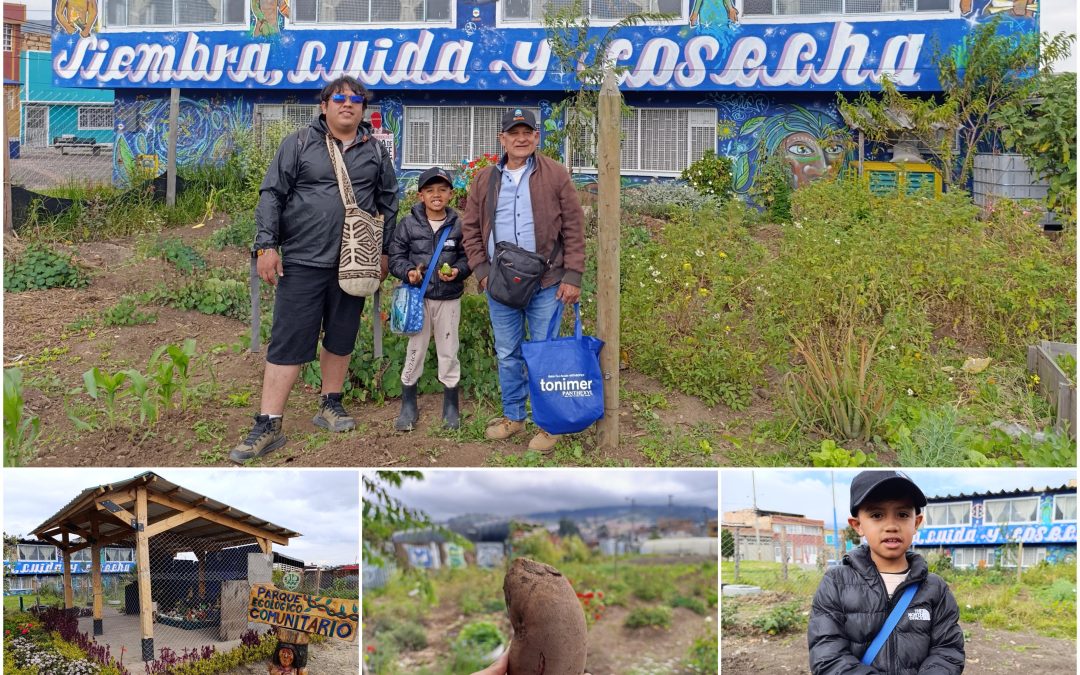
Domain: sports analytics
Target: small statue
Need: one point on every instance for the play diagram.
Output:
(290, 656)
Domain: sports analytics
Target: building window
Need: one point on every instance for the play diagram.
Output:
(35, 552)
(1065, 507)
(138, 13)
(657, 141)
(947, 515)
(82, 555)
(9, 36)
(289, 117)
(119, 555)
(753, 8)
(1011, 511)
(93, 118)
(444, 136)
(371, 11)
(533, 11)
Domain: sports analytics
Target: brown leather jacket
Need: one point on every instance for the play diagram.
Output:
(557, 212)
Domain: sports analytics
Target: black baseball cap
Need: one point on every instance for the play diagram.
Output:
(868, 481)
(432, 174)
(515, 116)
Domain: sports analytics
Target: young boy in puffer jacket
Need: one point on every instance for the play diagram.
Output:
(410, 251)
(855, 598)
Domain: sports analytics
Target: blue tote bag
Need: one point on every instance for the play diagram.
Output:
(407, 302)
(566, 385)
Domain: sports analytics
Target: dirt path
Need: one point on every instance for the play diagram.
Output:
(40, 338)
(988, 651)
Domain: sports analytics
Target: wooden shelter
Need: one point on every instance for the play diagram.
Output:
(141, 509)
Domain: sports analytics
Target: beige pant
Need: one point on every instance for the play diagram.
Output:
(443, 317)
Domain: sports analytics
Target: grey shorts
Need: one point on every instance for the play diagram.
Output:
(309, 300)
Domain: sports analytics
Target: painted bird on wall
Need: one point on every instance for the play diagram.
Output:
(77, 15)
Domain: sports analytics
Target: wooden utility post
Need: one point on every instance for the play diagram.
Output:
(65, 558)
(174, 117)
(142, 555)
(608, 123)
(95, 574)
(783, 551)
(9, 226)
(736, 541)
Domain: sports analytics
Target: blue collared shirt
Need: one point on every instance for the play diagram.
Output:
(513, 212)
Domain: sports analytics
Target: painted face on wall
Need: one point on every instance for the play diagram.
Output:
(811, 158)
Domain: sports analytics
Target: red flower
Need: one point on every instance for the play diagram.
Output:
(371, 649)
(596, 617)
(589, 594)
(586, 601)
(600, 593)
(25, 630)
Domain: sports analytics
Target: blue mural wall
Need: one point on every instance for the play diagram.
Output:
(21, 567)
(1059, 537)
(772, 84)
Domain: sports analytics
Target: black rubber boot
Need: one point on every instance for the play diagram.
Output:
(409, 414)
(450, 414)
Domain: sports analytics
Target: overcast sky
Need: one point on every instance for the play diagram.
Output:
(513, 492)
(323, 506)
(1057, 15)
(807, 492)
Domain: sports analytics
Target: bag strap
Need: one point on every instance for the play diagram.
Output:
(496, 175)
(434, 257)
(344, 184)
(556, 321)
(890, 623)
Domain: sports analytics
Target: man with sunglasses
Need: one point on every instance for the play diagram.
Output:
(301, 213)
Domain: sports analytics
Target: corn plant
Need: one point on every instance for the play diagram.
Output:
(835, 393)
(19, 432)
(139, 386)
(105, 387)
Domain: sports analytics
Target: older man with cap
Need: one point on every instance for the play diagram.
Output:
(529, 200)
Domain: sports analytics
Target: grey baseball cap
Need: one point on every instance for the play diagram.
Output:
(868, 481)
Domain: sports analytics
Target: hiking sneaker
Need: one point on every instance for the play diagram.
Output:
(543, 441)
(502, 428)
(265, 437)
(332, 415)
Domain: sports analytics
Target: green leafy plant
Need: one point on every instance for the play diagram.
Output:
(831, 454)
(126, 313)
(772, 189)
(704, 656)
(39, 267)
(140, 387)
(780, 619)
(711, 175)
(1043, 130)
(649, 617)
(20, 431)
(695, 605)
(239, 233)
(836, 394)
(473, 644)
(936, 439)
(212, 295)
(183, 257)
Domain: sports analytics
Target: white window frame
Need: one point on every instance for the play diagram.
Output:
(1071, 496)
(643, 147)
(168, 27)
(986, 511)
(9, 37)
(901, 15)
(292, 23)
(947, 504)
(538, 21)
(90, 109)
(408, 162)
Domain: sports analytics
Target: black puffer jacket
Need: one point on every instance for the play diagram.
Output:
(850, 606)
(414, 242)
(300, 207)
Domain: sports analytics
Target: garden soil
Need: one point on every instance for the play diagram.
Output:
(989, 651)
(38, 337)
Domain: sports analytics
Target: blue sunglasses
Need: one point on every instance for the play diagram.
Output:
(340, 98)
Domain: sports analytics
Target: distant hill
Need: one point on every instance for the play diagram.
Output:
(644, 512)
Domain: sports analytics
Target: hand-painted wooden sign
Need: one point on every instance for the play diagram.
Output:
(329, 617)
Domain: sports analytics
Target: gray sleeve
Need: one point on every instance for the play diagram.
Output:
(274, 193)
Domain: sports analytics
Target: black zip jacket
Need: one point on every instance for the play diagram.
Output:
(850, 606)
(414, 242)
(300, 207)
